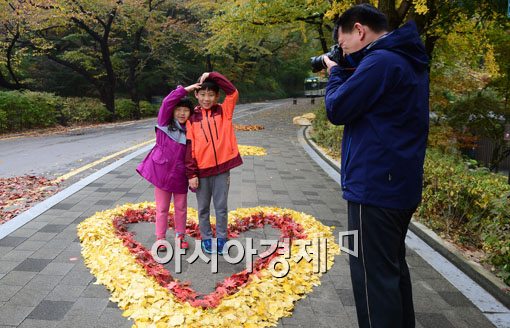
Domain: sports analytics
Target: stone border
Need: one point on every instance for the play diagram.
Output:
(473, 270)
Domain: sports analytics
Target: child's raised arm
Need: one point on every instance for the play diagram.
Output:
(168, 104)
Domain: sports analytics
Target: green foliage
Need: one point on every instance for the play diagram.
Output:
(500, 38)
(26, 110)
(467, 205)
(3, 120)
(82, 110)
(125, 109)
(147, 109)
(326, 134)
(482, 114)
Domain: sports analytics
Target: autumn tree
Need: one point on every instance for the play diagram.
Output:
(13, 23)
(151, 33)
(260, 44)
(79, 32)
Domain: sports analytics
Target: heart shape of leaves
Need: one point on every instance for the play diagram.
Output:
(259, 301)
(289, 229)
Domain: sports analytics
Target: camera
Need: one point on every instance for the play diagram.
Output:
(335, 54)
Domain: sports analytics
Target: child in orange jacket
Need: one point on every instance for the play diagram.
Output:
(211, 153)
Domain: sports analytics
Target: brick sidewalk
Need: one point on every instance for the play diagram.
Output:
(44, 283)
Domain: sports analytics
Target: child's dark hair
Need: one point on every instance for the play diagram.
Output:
(365, 14)
(185, 102)
(209, 85)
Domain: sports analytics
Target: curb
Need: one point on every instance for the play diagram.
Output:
(473, 270)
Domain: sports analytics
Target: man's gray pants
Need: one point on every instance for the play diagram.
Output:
(215, 186)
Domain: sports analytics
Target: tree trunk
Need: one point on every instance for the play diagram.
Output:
(110, 74)
(134, 61)
(430, 43)
(16, 85)
(135, 98)
(8, 85)
(388, 7)
(322, 39)
(208, 63)
(107, 96)
(107, 88)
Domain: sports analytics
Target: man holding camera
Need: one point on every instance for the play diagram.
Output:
(379, 88)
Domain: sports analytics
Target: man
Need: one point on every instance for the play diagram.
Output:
(379, 91)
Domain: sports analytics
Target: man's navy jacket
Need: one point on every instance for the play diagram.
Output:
(384, 106)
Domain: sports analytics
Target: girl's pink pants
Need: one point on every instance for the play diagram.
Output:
(163, 199)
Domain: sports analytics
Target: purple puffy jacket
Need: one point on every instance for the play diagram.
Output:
(164, 164)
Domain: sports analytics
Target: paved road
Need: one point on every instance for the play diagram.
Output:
(54, 155)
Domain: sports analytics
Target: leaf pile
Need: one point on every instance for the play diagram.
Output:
(241, 127)
(251, 151)
(17, 194)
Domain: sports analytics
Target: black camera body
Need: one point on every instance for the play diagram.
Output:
(335, 54)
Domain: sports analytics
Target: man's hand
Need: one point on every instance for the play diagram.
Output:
(203, 77)
(193, 183)
(193, 87)
(329, 63)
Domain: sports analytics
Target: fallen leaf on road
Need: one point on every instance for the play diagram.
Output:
(17, 194)
(240, 127)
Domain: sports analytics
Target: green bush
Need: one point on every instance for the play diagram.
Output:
(326, 134)
(85, 110)
(125, 109)
(23, 110)
(148, 110)
(467, 205)
(27, 110)
(3, 120)
(496, 236)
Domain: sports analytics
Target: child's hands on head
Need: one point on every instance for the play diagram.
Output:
(203, 77)
(193, 87)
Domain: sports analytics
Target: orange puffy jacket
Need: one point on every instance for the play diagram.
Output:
(211, 141)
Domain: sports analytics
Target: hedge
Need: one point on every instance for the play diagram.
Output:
(469, 205)
(24, 110)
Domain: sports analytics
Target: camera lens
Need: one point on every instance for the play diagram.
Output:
(317, 63)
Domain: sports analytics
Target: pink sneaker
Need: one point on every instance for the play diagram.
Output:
(181, 242)
(161, 247)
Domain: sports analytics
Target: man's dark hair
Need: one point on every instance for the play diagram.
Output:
(209, 85)
(365, 14)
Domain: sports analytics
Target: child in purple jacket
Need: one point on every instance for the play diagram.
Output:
(164, 165)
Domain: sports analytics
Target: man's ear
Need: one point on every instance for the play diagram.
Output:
(360, 30)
